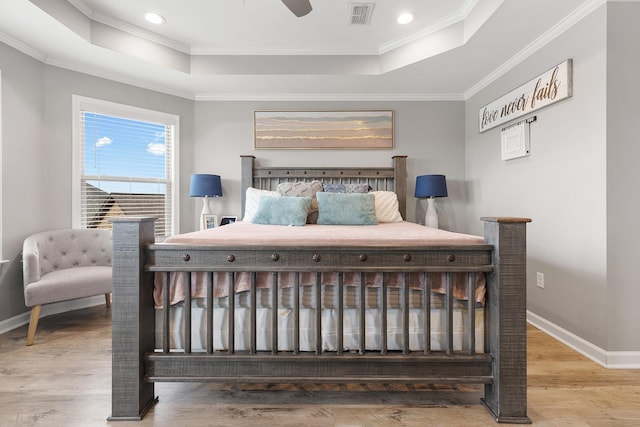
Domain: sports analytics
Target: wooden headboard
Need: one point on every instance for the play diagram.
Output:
(393, 178)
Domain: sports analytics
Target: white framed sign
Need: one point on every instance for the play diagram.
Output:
(550, 87)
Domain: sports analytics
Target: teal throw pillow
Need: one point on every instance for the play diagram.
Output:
(282, 210)
(346, 208)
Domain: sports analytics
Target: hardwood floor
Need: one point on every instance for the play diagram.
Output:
(64, 379)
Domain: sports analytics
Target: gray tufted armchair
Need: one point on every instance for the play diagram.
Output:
(61, 265)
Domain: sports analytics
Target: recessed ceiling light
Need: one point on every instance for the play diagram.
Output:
(154, 18)
(405, 18)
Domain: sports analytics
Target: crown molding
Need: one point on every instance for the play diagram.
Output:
(300, 97)
(134, 30)
(562, 26)
(444, 22)
(96, 72)
(265, 51)
(141, 33)
(26, 49)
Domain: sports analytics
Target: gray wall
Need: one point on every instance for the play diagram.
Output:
(623, 175)
(23, 162)
(578, 184)
(428, 132)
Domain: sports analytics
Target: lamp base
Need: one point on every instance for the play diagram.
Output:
(206, 210)
(431, 217)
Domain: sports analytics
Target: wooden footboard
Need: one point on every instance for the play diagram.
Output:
(137, 363)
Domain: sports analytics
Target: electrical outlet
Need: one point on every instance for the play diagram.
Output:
(540, 280)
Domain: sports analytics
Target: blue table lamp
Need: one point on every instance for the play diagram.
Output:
(431, 186)
(205, 186)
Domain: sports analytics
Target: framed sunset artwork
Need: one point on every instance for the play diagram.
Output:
(323, 129)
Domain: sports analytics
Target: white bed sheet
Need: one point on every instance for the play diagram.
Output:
(329, 319)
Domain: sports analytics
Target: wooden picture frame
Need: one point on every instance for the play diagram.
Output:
(554, 85)
(323, 129)
(208, 221)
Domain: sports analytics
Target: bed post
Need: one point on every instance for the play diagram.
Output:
(247, 164)
(132, 315)
(506, 308)
(400, 182)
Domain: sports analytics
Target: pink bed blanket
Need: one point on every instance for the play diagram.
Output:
(312, 235)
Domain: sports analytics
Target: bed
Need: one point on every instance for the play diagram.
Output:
(256, 301)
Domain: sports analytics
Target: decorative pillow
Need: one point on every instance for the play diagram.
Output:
(387, 206)
(282, 210)
(251, 201)
(346, 188)
(303, 189)
(346, 208)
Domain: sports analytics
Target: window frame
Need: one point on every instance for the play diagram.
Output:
(82, 103)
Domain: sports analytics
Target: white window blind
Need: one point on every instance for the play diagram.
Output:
(125, 160)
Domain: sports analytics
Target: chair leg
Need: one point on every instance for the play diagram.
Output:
(33, 323)
(107, 300)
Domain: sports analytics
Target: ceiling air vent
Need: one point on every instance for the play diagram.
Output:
(361, 13)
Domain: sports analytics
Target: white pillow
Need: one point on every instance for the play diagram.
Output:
(251, 201)
(387, 206)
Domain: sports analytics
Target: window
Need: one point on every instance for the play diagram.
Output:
(124, 165)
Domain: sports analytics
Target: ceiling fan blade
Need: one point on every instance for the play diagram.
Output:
(298, 7)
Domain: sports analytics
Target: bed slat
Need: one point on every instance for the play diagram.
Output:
(166, 313)
(426, 304)
(187, 312)
(340, 328)
(232, 313)
(296, 313)
(318, 306)
(210, 325)
(405, 313)
(254, 336)
(362, 340)
(274, 313)
(471, 311)
(383, 320)
(449, 313)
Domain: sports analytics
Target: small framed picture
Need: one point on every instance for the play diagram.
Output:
(228, 220)
(209, 221)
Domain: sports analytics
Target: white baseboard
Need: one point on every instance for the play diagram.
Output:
(49, 309)
(607, 359)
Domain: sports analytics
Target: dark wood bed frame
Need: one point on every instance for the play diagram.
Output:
(138, 364)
